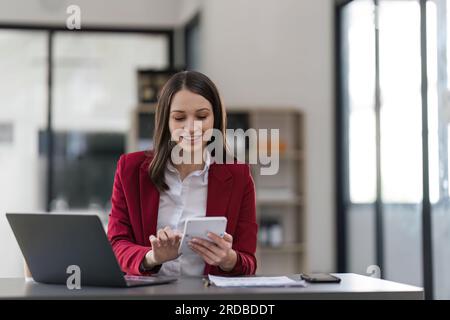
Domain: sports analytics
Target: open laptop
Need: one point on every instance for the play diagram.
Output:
(51, 243)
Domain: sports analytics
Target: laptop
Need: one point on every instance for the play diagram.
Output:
(51, 243)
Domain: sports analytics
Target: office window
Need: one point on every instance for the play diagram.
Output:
(374, 43)
(359, 66)
(23, 105)
(401, 136)
(95, 77)
(95, 92)
(438, 38)
(361, 88)
(401, 185)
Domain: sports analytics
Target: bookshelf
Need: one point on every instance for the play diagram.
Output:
(279, 198)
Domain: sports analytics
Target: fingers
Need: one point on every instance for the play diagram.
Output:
(177, 240)
(169, 237)
(174, 236)
(206, 254)
(213, 252)
(224, 243)
(228, 237)
(208, 246)
(178, 235)
(162, 236)
(205, 258)
(155, 242)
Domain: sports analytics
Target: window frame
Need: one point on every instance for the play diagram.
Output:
(342, 152)
(51, 30)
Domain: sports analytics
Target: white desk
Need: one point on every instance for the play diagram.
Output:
(352, 286)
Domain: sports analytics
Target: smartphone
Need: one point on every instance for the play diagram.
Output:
(320, 278)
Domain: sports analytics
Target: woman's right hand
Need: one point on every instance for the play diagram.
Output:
(164, 247)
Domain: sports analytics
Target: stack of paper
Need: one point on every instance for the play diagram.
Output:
(255, 281)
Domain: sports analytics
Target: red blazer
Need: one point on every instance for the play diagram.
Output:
(135, 203)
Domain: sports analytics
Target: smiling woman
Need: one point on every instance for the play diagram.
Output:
(188, 99)
(153, 196)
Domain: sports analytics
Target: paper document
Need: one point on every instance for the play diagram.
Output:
(255, 281)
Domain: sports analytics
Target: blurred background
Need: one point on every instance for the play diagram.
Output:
(359, 90)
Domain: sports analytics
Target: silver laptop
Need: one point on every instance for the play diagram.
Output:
(51, 243)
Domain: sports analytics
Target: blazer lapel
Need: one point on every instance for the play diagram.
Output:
(149, 200)
(220, 184)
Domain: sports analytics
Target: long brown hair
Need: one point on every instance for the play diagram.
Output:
(195, 82)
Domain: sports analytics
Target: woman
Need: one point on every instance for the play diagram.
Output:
(153, 194)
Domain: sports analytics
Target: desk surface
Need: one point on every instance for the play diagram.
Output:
(352, 286)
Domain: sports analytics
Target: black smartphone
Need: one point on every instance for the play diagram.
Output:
(320, 278)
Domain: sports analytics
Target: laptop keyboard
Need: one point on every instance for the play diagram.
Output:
(139, 278)
(133, 281)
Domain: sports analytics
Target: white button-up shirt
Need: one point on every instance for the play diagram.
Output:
(185, 199)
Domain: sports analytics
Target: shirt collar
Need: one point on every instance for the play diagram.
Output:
(208, 161)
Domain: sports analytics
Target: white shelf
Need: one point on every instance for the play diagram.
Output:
(277, 196)
(284, 248)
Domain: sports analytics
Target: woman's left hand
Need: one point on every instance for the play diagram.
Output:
(217, 252)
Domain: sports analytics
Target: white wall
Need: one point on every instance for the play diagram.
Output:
(267, 52)
(146, 13)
